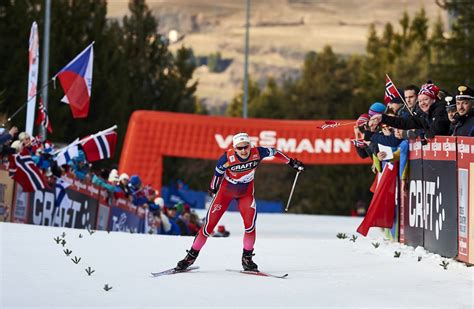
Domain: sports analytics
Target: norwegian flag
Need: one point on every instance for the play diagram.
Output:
(42, 118)
(358, 143)
(100, 146)
(391, 91)
(382, 207)
(23, 169)
(330, 124)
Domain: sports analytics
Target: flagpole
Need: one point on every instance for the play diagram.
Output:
(45, 64)
(403, 99)
(26, 103)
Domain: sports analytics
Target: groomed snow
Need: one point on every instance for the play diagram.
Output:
(324, 271)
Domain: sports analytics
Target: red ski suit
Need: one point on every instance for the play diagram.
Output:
(233, 179)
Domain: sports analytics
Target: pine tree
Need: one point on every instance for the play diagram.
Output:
(16, 18)
(461, 49)
(133, 68)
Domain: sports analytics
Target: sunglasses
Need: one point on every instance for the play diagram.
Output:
(242, 147)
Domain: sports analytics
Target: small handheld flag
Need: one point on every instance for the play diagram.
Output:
(329, 124)
(42, 118)
(391, 91)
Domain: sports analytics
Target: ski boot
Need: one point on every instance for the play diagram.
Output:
(247, 262)
(188, 260)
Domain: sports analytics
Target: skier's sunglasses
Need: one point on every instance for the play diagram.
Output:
(242, 147)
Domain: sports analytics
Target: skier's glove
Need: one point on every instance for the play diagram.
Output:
(297, 165)
(212, 192)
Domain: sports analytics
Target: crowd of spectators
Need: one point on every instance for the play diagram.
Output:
(422, 113)
(175, 219)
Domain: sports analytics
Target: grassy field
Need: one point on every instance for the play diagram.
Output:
(281, 32)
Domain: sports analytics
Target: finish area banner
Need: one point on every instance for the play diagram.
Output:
(152, 135)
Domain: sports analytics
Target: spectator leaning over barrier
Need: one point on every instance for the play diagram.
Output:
(398, 108)
(157, 224)
(194, 223)
(183, 222)
(99, 180)
(172, 216)
(464, 106)
(8, 136)
(452, 113)
(372, 128)
(362, 147)
(150, 195)
(17, 147)
(121, 189)
(5, 140)
(433, 119)
(79, 165)
(386, 135)
(411, 97)
(165, 222)
(410, 94)
(136, 190)
(31, 144)
(113, 177)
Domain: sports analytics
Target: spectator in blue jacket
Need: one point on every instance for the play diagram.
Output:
(79, 165)
(171, 214)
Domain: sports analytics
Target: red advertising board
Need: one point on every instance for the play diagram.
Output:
(465, 156)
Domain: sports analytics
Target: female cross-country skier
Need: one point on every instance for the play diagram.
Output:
(233, 179)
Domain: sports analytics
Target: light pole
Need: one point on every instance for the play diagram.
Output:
(246, 60)
(45, 66)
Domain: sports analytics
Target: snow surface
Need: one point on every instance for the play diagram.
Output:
(324, 271)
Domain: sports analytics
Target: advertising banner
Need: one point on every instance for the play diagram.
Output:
(103, 214)
(440, 213)
(125, 220)
(74, 209)
(465, 157)
(412, 218)
(103, 217)
(21, 203)
(6, 196)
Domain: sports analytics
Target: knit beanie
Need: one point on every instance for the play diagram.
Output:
(376, 109)
(363, 118)
(430, 90)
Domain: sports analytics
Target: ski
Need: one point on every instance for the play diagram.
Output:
(173, 271)
(258, 273)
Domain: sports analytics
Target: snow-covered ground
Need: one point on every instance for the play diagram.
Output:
(324, 271)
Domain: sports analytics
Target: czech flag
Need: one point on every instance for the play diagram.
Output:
(76, 80)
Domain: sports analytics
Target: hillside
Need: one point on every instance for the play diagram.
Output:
(282, 31)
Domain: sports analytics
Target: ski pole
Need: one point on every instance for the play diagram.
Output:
(292, 189)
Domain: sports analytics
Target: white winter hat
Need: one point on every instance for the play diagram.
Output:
(240, 138)
(124, 176)
(16, 145)
(159, 201)
(113, 176)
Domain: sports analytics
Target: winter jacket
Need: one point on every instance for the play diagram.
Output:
(435, 122)
(465, 125)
